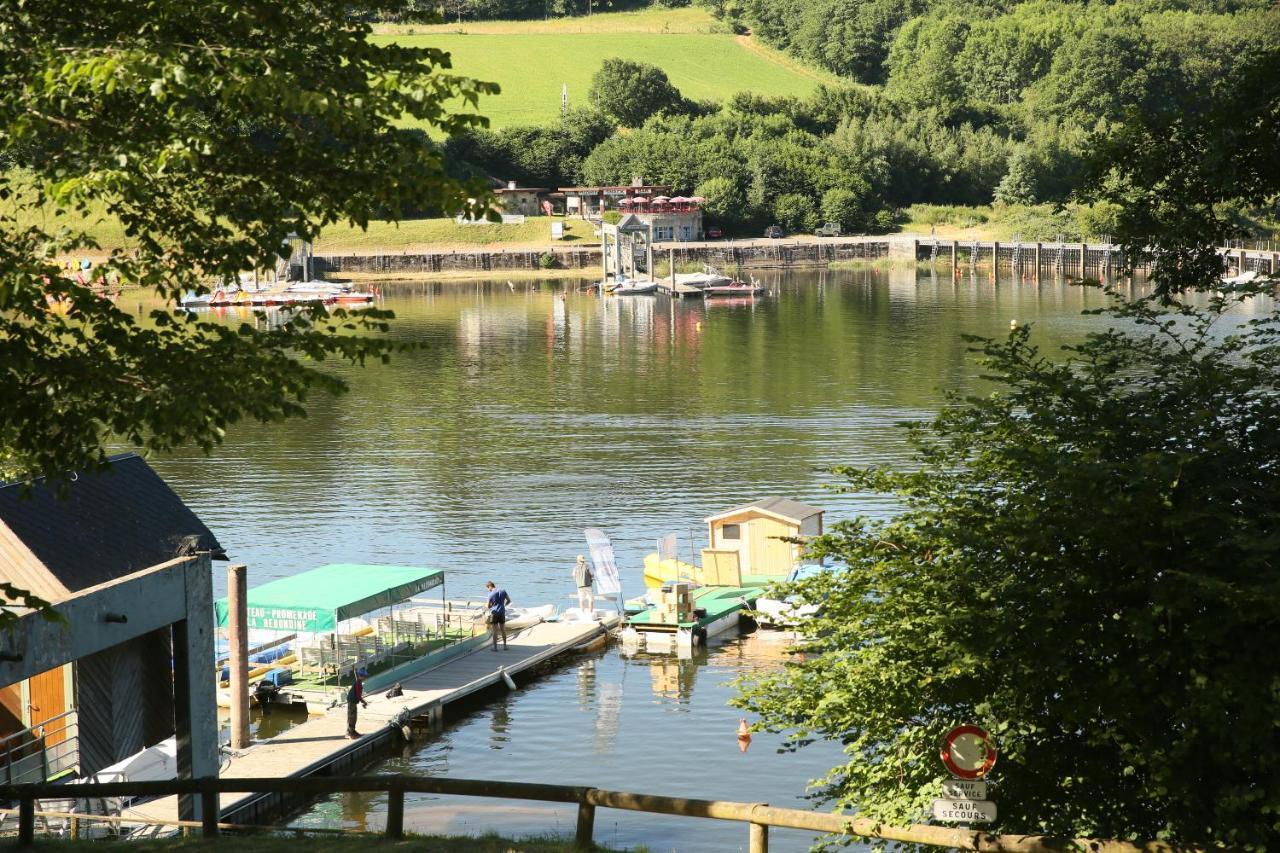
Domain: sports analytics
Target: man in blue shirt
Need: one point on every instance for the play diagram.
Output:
(497, 613)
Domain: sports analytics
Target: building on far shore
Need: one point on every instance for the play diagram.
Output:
(525, 201)
(676, 218)
(591, 202)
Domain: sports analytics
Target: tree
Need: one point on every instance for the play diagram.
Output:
(844, 206)
(1085, 564)
(209, 132)
(796, 212)
(725, 200)
(630, 92)
(1018, 186)
(1177, 173)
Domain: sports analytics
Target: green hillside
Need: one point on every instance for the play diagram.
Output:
(530, 60)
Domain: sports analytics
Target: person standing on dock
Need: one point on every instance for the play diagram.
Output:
(583, 579)
(355, 695)
(497, 615)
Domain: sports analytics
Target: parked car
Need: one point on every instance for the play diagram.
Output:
(828, 229)
(774, 232)
(714, 232)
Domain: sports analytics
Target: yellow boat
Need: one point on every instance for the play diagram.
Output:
(657, 572)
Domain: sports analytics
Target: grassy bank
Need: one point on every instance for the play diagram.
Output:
(531, 60)
(1039, 222)
(358, 843)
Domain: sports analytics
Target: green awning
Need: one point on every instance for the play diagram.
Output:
(318, 600)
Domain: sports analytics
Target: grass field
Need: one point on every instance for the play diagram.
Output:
(530, 60)
(437, 235)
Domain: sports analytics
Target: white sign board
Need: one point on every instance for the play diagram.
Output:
(557, 230)
(964, 789)
(964, 811)
(603, 565)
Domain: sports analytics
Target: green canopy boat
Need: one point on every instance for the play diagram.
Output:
(316, 601)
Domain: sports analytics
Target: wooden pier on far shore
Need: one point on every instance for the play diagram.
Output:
(320, 746)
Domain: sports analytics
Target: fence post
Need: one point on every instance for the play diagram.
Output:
(759, 838)
(26, 821)
(75, 829)
(209, 812)
(586, 824)
(395, 813)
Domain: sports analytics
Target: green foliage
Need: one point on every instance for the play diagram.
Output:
(630, 92)
(725, 200)
(1018, 185)
(548, 261)
(1179, 175)
(796, 212)
(1085, 565)
(208, 153)
(845, 208)
(534, 155)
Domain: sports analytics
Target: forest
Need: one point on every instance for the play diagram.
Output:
(946, 103)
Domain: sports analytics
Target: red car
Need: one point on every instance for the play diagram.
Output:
(714, 232)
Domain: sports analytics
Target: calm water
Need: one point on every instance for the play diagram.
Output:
(528, 417)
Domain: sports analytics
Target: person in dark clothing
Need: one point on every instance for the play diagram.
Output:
(355, 695)
(497, 613)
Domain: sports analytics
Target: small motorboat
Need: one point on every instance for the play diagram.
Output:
(635, 288)
(703, 280)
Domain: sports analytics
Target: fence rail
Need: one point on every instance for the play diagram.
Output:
(759, 816)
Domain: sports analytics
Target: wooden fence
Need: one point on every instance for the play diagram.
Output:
(758, 816)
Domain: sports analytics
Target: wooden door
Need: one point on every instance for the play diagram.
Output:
(48, 699)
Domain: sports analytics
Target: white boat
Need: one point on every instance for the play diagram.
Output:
(527, 617)
(634, 288)
(703, 280)
(786, 613)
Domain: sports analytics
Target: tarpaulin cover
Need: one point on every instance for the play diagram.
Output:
(318, 600)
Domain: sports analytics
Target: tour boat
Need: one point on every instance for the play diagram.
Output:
(716, 610)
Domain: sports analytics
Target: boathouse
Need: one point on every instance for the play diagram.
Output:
(752, 540)
(125, 564)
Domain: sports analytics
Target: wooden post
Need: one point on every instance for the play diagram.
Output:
(586, 826)
(759, 838)
(1083, 248)
(1038, 247)
(26, 821)
(395, 813)
(995, 261)
(75, 829)
(955, 248)
(209, 813)
(238, 639)
(672, 271)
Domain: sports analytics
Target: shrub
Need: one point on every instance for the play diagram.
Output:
(548, 261)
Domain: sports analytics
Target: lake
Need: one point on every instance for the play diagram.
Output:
(534, 411)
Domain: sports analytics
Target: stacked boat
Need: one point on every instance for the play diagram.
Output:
(298, 294)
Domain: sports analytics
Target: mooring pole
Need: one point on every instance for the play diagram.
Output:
(238, 639)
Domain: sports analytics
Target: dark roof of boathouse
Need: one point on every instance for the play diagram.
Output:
(105, 526)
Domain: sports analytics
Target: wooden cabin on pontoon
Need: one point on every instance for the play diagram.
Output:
(757, 542)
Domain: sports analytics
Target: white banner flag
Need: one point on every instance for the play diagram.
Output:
(602, 562)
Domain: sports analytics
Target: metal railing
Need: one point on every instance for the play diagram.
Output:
(41, 752)
(759, 816)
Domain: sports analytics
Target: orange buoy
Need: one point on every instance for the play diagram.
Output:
(744, 735)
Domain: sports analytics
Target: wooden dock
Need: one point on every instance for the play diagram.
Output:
(683, 291)
(320, 745)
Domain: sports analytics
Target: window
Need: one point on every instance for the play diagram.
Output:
(731, 531)
(685, 232)
(664, 232)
